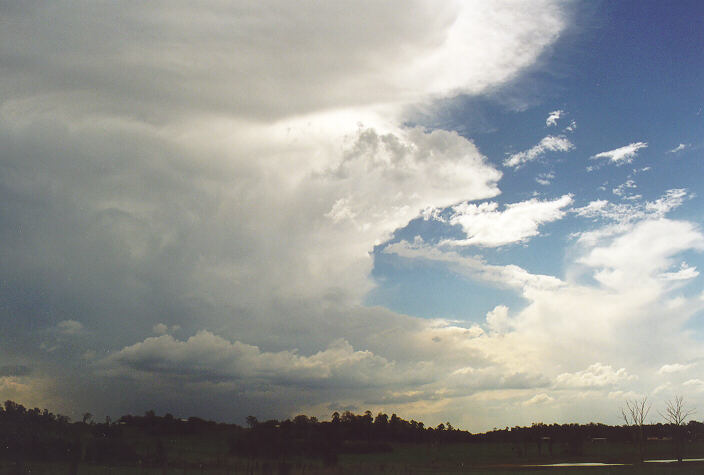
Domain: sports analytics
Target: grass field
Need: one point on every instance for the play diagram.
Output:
(198, 455)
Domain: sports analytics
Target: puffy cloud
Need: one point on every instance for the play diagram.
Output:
(596, 375)
(624, 395)
(13, 389)
(553, 117)
(634, 258)
(435, 370)
(696, 384)
(486, 226)
(22, 386)
(212, 174)
(631, 295)
(673, 368)
(622, 155)
(662, 387)
(494, 378)
(497, 319)
(551, 143)
(208, 357)
(388, 179)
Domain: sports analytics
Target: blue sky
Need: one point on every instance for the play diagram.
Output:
(486, 212)
(628, 72)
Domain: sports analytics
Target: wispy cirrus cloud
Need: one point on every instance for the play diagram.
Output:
(679, 148)
(511, 275)
(545, 178)
(622, 190)
(620, 217)
(621, 155)
(551, 143)
(684, 272)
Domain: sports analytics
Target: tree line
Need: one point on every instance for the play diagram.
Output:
(34, 434)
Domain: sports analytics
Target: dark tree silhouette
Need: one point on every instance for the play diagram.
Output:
(634, 415)
(676, 414)
(251, 422)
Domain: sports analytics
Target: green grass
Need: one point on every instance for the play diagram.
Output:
(208, 454)
(355, 468)
(453, 458)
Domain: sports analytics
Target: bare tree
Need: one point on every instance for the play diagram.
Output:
(676, 414)
(634, 415)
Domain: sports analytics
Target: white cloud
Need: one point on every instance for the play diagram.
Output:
(18, 389)
(679, 148)
(624, 395)
(538, 399)
(673, 368)
(662, 387)
(622, 155)
(498, 320)
(285, 59)
(208, 357)
(636, 257)
(486, 226)
(594, 208)
(696, 384)
(561, 315)
(596, 375)
(623, 187)
(212, 174)
(545, 178)
(493, 378)
(553, 117)
(685, 272)
(386, 179)
(510, 275)
(551, 143)
(671, 200)
(625, 215)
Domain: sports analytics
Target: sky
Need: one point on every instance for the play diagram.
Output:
(487, 212)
